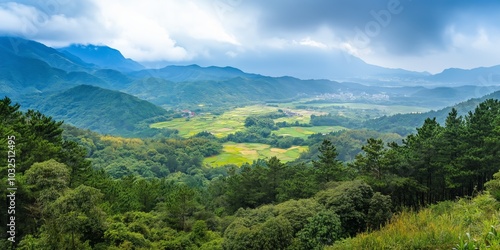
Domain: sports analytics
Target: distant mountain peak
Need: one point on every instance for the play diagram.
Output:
(32, 49)
(103, 56)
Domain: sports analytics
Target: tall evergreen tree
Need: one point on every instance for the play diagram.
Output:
(329, 168)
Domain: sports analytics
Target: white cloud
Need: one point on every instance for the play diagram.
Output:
(18, 19)
(146, 30)
(309, 42)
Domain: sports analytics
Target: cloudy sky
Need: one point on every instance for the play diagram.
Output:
(273, 37)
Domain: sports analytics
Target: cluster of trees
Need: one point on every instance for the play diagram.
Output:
(259, 130)
(438, 162)
(145, 157)
(70, 195)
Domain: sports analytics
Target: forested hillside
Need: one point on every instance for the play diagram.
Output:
(101, 110)
(77, 190)
(405, 123)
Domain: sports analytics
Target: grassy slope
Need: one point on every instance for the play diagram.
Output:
(442, 226)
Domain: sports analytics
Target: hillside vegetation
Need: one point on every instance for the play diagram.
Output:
(83, 190)
(469, 223)
(101, 110)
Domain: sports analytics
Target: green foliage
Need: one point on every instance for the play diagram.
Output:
(74, 219)
(348, 143)
(145, 157)
(180, 206)
(329, 168)
(270, 226)
(354, 202)
(380, 211)
(322, 229)
(493, 186)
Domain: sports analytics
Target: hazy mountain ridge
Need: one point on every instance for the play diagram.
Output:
(483, 76)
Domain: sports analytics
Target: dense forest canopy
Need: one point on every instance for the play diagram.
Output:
(77, 189)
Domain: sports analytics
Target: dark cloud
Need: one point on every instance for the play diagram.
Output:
(420, 26)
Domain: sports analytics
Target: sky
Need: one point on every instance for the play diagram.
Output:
(272, 37)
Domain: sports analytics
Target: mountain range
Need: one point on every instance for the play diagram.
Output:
(45, 78)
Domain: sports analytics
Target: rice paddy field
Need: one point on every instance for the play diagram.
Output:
(229, 122)
(240, 153)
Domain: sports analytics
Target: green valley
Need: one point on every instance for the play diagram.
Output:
(233, 121)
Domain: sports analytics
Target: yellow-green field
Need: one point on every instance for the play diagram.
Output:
(229, 122)
(240, 153)
(304, 132)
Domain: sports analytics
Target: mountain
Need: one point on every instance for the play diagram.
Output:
(101, 110)
(31, 49)
(28, 67)
(21, 75)
(483, 76)
(102, 56)
(192, 73)
(237, 91)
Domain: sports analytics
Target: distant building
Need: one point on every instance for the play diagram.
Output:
(188, 113)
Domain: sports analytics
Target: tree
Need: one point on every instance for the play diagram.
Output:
(380, 211)
(351, 202)
(300, 182)
(328, 168)
(372, 163)
(47, 181)
(274, 233)
(74, 219)
(322, 229)
(451, 150)
(180, 206)
(274, 177)
(481, 157)
(429, 171)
